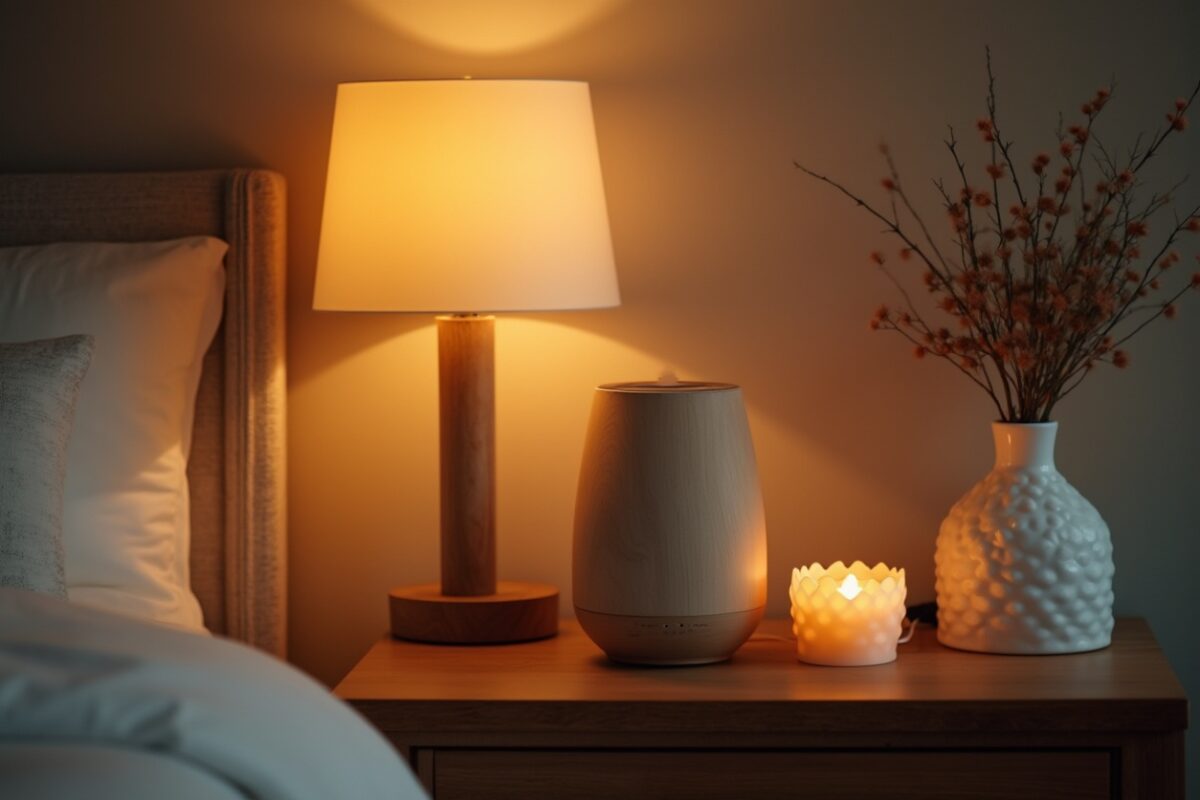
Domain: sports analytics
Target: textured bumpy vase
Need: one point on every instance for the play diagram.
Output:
(1024, 562)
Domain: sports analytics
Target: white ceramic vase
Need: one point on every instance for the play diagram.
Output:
(1024, 562)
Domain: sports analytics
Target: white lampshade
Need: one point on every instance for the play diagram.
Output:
(464, 196)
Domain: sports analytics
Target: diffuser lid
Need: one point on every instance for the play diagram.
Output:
(666, 387)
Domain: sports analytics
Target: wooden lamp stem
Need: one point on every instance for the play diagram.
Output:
(470, 606)
(467, 397)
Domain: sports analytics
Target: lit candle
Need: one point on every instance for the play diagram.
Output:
(847, 616)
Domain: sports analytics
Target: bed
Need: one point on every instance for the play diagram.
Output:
(237, 465)
(146, 706)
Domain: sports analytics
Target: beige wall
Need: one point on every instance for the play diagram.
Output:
(732, 266)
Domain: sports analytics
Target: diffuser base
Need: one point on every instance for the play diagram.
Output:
(669, 641)
(517, 612)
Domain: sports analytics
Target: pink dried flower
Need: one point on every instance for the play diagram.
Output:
(1041, 319)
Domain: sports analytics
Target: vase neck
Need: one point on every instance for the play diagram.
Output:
(1026, 446)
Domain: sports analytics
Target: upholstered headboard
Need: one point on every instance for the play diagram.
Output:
(236, 474)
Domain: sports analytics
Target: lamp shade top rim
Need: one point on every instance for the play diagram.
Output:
(459, 79)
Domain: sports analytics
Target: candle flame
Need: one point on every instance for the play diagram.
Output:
(850, 588)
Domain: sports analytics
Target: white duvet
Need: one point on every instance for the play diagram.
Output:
(84, 694)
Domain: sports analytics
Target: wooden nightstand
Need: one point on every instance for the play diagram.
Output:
(554, 719)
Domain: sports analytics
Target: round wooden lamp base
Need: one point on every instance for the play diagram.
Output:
(517, 612)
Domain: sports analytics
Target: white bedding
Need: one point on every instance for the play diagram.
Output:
(87, 684)
(60, 771)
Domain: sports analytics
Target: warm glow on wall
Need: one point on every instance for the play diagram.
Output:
(487, 26)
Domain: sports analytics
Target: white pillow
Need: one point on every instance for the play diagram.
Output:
(152, 308)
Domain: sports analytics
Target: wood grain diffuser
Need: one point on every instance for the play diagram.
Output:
(670, 556)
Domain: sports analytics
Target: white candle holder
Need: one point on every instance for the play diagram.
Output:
(847, 616)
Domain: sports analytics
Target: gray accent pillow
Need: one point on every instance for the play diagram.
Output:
(39, 382)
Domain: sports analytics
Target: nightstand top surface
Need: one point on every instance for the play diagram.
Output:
(1127, 684)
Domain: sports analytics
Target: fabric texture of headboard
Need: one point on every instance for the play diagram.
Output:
(237, 470)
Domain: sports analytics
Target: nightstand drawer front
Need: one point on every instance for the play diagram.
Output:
(701, 775)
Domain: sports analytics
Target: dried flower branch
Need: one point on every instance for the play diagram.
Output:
(1041, 292)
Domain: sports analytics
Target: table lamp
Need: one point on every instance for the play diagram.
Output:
(462, 198)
